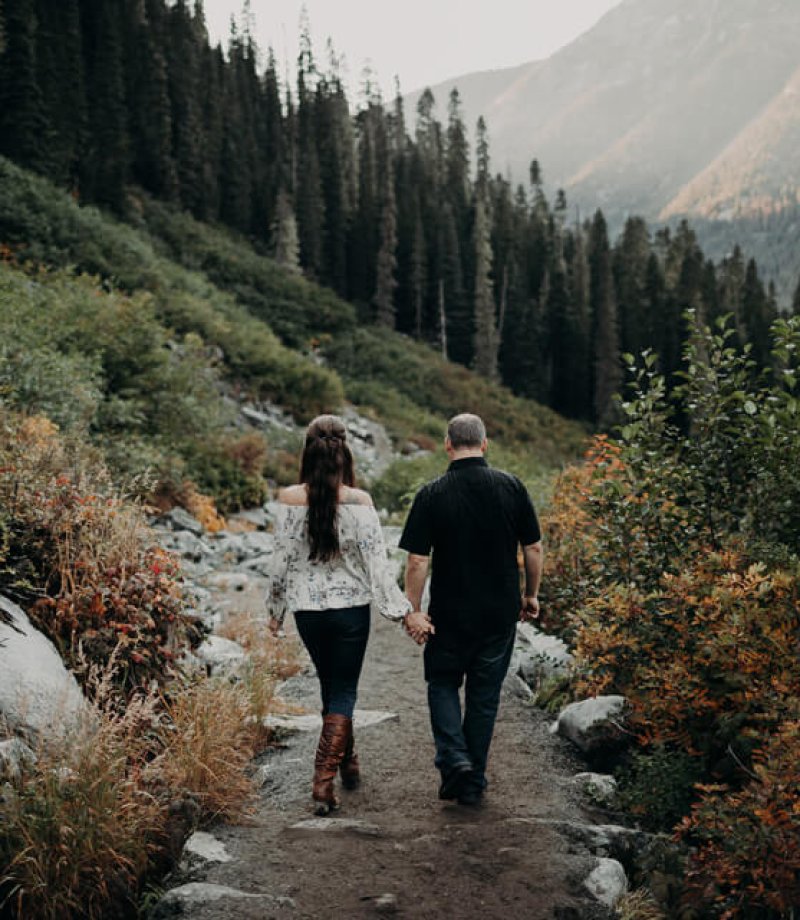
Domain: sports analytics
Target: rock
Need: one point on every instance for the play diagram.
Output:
(624, 844)
(39, 697)
(255, 517)
(538, 656)
(257, 543)
(599, 787)
(228, 581)
(515, 686)
(594, 724)
(206, 847)
(15, 757)
(362, 718)
(260, 565)
(180, 519)
(334, 825)
(221, 656)
(196, 894)
(188, 546)
(607, 882)
(386, 903)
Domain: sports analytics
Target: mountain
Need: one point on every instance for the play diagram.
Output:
(663, 108)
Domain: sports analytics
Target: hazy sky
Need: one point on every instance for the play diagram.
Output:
(422, 41)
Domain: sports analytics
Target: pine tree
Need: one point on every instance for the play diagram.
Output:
(186, 44)
(149, 101)
(419, 273)
(285, 242)
(104, 168)
(605, 334)
(23, 127)
(308, 194)
(758, 313)
(61, 80)
(796, 300)
(386, 282)
(485, 342)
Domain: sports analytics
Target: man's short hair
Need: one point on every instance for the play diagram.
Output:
(466, 430)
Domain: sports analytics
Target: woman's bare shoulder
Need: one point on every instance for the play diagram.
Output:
(350, 496)
(293, 495)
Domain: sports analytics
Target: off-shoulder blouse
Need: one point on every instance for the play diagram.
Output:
(360, 575)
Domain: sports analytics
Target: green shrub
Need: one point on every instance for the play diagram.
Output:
(657, 785)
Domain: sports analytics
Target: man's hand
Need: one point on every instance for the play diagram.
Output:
(530, 608)
(418, 625)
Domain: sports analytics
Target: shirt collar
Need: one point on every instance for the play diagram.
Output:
(465, 462)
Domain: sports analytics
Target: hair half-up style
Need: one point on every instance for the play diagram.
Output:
(327, 464)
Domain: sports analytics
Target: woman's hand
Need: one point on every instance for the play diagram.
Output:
(418, 625)
(275, 627)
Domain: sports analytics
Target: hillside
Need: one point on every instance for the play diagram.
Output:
(632, 111)
(119, 338)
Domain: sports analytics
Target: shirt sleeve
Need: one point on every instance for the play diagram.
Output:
(277, 569)
(528, 529)
(387, 597)
(417, 536)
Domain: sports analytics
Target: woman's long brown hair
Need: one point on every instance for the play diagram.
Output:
(327, 463)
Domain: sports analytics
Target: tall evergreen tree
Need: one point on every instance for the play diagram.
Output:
(485, 343)
(285, 242)
(386, 282)
(104, 168)
(23, 127)
(605, 335)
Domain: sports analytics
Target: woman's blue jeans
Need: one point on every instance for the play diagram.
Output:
(336, 641)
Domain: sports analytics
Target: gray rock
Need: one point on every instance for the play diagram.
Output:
(188, 546)
(594, 724)
(180, 519)
(624, 844)
(515, 686)
(39, 697)
(607, 882)
(196, 894)
(206, 847)
(337, 825)
(538, 656)
(15, 757)
(257, 543)
(362, 718)
(256, 517)
(260, 565)
(599, 787)
(386, 903)
(221, 656)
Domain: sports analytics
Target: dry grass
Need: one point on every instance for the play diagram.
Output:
(269, 660)
(639, 905)
(80, 828)
(207, 744)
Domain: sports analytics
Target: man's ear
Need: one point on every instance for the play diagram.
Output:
(484, 445)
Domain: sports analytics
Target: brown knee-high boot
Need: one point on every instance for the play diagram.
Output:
(349, 767)
(330, 750)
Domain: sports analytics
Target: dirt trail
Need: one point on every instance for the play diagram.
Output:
(409, 854)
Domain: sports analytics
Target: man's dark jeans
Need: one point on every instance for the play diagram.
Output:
(336, 641)
(481, 664)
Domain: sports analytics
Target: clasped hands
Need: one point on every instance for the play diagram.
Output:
(418, 625)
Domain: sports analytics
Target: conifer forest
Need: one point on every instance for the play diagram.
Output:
(397, 211)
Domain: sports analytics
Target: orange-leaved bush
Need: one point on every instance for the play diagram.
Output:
(79, 556)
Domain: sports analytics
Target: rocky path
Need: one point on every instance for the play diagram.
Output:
(394, 848)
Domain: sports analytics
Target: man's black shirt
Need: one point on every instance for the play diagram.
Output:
(473, 518)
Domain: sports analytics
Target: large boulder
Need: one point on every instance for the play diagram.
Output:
(607, 882)
(180, 519)
(538, 656)
(595, 725)
(39, 697)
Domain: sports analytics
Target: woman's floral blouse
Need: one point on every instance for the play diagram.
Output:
(360, 575)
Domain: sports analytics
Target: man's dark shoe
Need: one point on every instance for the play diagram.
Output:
(454, 782)
(471, 797)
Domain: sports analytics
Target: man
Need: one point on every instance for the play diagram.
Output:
(473, 519)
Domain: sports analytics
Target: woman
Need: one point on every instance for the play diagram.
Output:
(329, 566)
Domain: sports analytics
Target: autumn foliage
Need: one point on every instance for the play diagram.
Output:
(673, 568)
